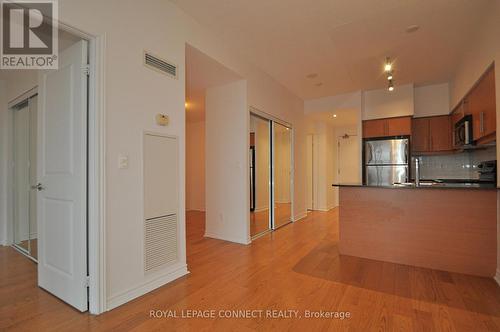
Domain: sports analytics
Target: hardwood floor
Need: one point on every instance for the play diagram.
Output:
(259, 221)
(297, 267)
(33, 246)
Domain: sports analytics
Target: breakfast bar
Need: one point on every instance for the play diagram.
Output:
(449, 228)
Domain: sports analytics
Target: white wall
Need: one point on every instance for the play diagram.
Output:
(134, 94)
(482, 51)
(432, 100)
(227, 195)
(195, 166)
(386, 104)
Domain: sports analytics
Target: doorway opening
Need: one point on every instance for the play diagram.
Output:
(206, 157)
(271, 174)
(53, 171)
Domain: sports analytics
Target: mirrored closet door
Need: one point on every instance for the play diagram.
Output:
(282, 158)
(270, 157)
(24, 176)
(260, 175)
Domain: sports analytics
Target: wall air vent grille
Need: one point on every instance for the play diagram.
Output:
(160, 65)
(160, 241)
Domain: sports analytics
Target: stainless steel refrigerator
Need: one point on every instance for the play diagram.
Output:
(386, 161)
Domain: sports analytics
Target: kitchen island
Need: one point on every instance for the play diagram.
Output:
(450, 228)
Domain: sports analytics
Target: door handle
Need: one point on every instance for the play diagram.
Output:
(38, 187)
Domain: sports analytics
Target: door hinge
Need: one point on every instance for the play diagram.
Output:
(86, 70)
(87, 282)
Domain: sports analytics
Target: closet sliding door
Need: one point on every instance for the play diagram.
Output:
(24, 172)
(282, 170)
(260, 175)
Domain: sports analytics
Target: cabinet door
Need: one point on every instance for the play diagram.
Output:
(420, 135)
(374, 128)
(482, 106)
(399, 126)
(440, 133)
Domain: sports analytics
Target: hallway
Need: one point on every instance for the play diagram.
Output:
(297, 268)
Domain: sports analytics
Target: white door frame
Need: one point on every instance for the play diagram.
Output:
(96, 169)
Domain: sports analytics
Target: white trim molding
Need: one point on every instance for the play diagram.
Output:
(97, 168)
(497, 276)
(300, 216)
(174, 273)
(244, 241)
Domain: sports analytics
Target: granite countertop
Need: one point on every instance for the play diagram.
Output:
(425, 185)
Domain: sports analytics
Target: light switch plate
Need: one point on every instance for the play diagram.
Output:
(122, 161)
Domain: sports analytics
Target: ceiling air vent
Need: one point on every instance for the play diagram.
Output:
(160, 65)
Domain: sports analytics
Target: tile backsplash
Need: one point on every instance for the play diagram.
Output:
(454, 166)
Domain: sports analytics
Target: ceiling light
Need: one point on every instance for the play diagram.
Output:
(335, 115)
(186, 104)
(412, 28)
(389, 76)
(391, 86)
(312, 75)
(388, 65)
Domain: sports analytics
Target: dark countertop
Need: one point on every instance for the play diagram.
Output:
(453, 185)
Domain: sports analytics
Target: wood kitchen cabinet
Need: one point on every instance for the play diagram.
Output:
(400, 126)
(481, 104)
(420, 139)
(432, 134)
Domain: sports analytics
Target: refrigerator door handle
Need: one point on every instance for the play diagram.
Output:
(370, 152)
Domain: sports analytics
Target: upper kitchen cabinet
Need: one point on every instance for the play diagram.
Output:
(432, 134)
(481, 104)
(400, 126)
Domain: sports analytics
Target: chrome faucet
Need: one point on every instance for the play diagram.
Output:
(417, 172)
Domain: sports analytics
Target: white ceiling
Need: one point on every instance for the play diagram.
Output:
(344, 41)
(345, 117)
(202, 72)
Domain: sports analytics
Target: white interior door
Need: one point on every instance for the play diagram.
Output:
(62, 178)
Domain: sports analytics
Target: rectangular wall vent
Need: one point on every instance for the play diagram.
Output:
(160, 241)
(160, 65)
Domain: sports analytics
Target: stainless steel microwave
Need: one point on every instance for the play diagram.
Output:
(463, 132)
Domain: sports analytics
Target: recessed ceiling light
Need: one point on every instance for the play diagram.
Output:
(186, 105)
(412, 28)
(335, 115)
(319, 84)
(389, 77)
(311, 75)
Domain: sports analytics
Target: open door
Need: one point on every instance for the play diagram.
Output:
(62, 178)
